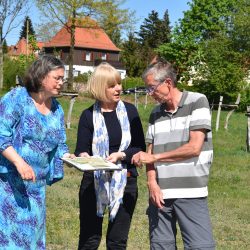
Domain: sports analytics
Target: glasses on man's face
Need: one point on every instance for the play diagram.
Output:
(153, 88)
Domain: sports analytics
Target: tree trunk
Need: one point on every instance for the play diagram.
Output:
(1, 65)
(71, 53)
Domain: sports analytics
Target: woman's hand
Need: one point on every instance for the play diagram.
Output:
(114, 157)
(26, 172)
(68, 155)
(84, 154)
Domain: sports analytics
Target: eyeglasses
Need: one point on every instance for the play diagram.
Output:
(59, 78)
(152, 89)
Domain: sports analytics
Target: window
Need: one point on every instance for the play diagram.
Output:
(88, 56)
(76, 73)
(104, 56)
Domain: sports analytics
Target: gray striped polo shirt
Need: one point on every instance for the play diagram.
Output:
(168, 131)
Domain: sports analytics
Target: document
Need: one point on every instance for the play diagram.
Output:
(91, 163)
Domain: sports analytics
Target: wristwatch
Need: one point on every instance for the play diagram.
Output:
(123, 156)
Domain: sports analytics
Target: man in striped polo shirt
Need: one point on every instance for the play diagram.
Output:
(179, 157)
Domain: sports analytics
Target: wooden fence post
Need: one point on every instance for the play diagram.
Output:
(218, 114)
(248, 128)
(71, 104)
(234, 106)
(72, 96)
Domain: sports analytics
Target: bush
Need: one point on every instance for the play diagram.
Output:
(82, 78)
(14, 67)
(244, 99)
(132, 82)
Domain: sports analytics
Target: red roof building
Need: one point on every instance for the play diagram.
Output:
(22, 48)
(92, 45)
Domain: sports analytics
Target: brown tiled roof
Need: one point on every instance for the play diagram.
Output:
(92, 38)
(20, 48)
(40, 45)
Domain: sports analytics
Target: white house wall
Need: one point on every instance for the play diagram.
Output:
(80, 69)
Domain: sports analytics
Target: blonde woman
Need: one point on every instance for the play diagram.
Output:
(111, 129)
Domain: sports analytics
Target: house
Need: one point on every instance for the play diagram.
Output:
(92, 46)
(24, 48)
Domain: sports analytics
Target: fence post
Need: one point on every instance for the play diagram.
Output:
(146, 100)
(71, 104)
(218, 114)
(136, 101)
(231, 112)
(248, 128)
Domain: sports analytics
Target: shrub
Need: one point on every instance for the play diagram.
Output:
(132, 82)
(14, 67)
(82, 78)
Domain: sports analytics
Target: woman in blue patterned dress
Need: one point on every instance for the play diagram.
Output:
(32, 142)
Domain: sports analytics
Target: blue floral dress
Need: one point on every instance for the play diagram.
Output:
(40, 140)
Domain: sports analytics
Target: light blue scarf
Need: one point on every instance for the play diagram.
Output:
(109, 189)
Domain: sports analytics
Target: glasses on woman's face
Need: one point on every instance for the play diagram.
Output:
(59, 78)
(153, 88)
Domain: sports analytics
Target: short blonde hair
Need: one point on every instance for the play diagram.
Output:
(103, 77)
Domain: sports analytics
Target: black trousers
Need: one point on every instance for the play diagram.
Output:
(91, 224)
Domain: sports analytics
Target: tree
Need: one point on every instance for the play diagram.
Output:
(27, 29)
(5, 47)
(204, 20)
(131, 56)
(206, 27)
(9, 11)
(46, 30)
(155, 31)
(70, 13)
(204, 42)
(114, 20)
(240, 32)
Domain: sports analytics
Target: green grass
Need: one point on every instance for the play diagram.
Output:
(229, 192)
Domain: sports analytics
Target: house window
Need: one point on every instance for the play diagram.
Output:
(88, 56)
(76, 73)
(104, 56)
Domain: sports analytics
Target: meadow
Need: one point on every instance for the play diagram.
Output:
(229, 189)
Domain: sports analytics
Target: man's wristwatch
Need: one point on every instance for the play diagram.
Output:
(123, 156)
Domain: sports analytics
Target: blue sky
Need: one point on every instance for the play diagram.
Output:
(142, 8)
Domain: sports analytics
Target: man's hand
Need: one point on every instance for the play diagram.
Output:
(142, 158)
(155, 194)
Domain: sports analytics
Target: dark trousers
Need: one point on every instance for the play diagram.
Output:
(91, 224)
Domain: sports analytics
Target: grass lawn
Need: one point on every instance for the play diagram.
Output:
(229, 190)
(229, 196)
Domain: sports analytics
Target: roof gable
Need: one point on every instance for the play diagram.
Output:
(92, 38)
(21, 48)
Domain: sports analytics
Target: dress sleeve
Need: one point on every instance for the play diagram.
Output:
(9, 118)
(56, 172)
(137, 135)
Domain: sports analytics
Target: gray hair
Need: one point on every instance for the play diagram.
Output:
(39, 69)
(161, 71)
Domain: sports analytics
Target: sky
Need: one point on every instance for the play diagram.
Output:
(141, 7)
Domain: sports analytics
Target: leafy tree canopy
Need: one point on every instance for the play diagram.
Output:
(210, 47)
